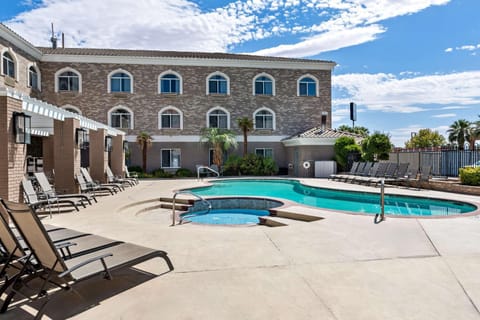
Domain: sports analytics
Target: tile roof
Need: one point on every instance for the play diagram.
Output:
(318, 132)
(168, 54)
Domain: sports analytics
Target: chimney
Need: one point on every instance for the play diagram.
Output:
(53, 39)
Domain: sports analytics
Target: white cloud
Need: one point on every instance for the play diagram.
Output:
(467, 47)
(387, 93)
(445, 115)
(183, 25)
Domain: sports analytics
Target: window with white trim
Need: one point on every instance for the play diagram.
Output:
(120, 82)
(264, 120)
(170, 119)
(121, 118)
(170, 84)
(170, 158)
(307, 87)
(68, 81)
(217, 84)
(33, 78)
(218, 119)
(8, 64)
(263, 86)
(264, 152)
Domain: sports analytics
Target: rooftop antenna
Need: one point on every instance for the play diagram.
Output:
(53, 39)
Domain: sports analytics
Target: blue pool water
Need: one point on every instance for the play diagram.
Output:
(361, 202)
(226, 216)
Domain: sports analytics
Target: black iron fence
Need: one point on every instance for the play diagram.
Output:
(443, 161)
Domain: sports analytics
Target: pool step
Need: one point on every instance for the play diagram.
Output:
(302, 216)
(182, 201)
(179, 207)
(272, 221)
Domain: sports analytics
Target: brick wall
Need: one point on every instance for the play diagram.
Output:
(12, 155)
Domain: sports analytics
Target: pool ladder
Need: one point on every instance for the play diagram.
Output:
(202, 199)
(207, 168)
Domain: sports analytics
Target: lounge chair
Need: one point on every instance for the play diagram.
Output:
(92, 183)
(55, 270)
(95, 189)
(365, 177)
(131, 175)
(400, 174)
(32, 198)
(111, 178)
(361, 171)
(352, 171)
(48, 190)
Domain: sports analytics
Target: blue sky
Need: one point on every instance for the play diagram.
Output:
(408, 64)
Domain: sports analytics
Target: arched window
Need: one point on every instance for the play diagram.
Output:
(170, 118)
(218, 118)
(33, 78)
(170, 83)
(68, 80)
(120, 81)
(264, 119)
(218, 83)
(308, 86)
(264, 85)
(121, 118)
(72, 109)
(8, 65)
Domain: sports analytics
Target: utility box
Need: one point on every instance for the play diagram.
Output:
(323, 169)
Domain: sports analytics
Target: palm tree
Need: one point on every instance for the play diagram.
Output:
(246, 124)
(459, 132)
(144, 140)
(220, 140)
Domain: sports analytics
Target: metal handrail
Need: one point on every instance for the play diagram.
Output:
(190, 193)
(208, 168)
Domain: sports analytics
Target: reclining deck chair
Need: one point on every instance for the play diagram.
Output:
(50, 192)
(340, 176)
(111, 178)
(131, 175)
(66, 273)
(91, 183)
(95, 189)
(32, 199)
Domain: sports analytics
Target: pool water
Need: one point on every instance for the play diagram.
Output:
(361, 202)
(226, 216)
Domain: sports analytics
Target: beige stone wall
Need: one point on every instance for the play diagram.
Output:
(23, 61)
(293, 113)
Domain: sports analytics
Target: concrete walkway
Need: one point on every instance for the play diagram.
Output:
(342, 267)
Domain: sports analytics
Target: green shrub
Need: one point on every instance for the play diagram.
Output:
(160, 173)
(232, 166)
(137, 169)
(470, 176)
(184, 172)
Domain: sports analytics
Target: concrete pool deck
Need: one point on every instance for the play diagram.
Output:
(341, 267)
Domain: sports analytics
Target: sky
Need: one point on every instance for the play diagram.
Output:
(407, 64)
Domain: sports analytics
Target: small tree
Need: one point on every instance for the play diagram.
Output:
(343, 147)
(426, 138)
(376, 147)
(364, 132)
(220, 140)
(144, 140)
(245, 124)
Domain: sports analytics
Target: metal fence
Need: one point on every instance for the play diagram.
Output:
(444, 162)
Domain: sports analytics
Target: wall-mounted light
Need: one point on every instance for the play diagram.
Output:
(81, 138)
(125, 146)
(108, 143)
(22, 128)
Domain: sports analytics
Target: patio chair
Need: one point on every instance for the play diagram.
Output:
(400, 174)
(66, 273)
(111, 178)
(91, 183)
(48, 190)
(131, 175)
(95, 189)
(365, 177)
(361, 171)
(352, 171)
(32, 198)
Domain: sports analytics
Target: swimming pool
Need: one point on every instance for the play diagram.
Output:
(360, 202)
(226, 216)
